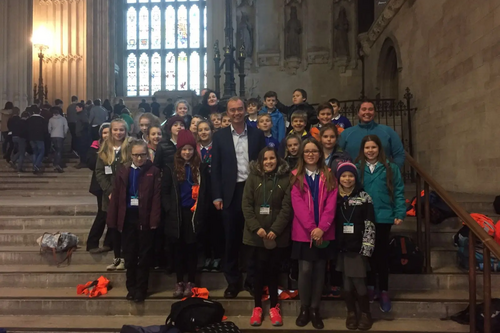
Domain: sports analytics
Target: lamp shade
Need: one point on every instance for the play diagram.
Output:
(41, 38)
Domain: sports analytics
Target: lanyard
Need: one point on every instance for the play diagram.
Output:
(266, 201)
(350, 217)
(135, 188)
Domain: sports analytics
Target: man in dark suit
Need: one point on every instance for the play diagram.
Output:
(233, 148)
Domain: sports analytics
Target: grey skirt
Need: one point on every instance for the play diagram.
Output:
(352, 264)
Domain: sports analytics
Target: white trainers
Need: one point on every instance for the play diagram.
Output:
(118, 264)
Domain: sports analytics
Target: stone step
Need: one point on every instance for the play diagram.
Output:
(75, 205)
(44, 276)
(101, 323)
(41, 223)
(37, 192)
(29, 237)
(64, 301)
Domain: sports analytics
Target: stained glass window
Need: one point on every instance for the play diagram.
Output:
(166, 42)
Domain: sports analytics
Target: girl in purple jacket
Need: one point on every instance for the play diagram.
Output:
(314, 201)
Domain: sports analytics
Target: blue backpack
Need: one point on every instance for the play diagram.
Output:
(461, 241)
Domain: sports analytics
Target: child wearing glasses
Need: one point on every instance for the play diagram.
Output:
(134, 210)
(314, 199)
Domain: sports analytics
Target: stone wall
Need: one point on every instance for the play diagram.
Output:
(447, 52)
(65, 63)
(15, 52)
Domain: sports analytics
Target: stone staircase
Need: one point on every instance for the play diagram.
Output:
(37, 296)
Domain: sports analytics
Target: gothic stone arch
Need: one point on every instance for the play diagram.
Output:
(389, 67)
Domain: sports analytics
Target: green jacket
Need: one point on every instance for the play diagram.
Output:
(375, 184)
(278, 221)
(106, 182)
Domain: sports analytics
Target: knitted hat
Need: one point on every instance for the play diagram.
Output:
(347, 166)
(172, 121)
(184, 138)
(102, 127)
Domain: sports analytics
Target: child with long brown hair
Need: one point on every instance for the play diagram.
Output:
(111, 155)
(314, 199)
(183, 208)
(382, 180)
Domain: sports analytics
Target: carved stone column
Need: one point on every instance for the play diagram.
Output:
(15, 52)
(100, 49)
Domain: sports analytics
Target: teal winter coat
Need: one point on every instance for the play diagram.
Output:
(375, 184)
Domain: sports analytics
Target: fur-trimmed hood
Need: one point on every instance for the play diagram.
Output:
(283, 168)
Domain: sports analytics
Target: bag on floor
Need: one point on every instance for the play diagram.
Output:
(57, 243)
(404, 256)
(194, 313)
(224, 327)
(148, 329)
(463, 317)
(439, 210)
(461, 240)
(496, 204)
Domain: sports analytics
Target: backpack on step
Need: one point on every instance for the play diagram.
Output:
(405, 256)
(461, 240)
(194, 313)
(439, 210)
(57, 243)
(463, 317)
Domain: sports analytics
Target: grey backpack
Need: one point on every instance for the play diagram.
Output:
(57, 243)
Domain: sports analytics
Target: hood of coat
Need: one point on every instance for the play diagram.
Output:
(283, 168)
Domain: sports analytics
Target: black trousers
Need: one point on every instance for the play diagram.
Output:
(136, 251)
(267, 271)
(211, 236)
(94, 133)
(72, 130)
(234, 222)
(379, 262)
(7, 146)
(186, 250)
(98, 227)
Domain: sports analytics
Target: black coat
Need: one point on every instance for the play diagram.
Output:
(312, 116)
(94, 188)
(165, 153)
(224, 164)
(205, 110)
(37, 128)
(171, 203)
(17, 126)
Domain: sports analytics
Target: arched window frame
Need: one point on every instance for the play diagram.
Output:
(195, 81)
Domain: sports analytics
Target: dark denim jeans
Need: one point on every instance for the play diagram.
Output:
(38, 153)
(20, 149)
(58, 147)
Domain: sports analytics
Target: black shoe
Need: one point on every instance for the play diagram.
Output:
(95, 250)
(231, 291)
(303, 318)
(139, 297)
(248, 287)
(80, 166)
(130, 295)
(216, 266)
(316, 319)
(59, 169)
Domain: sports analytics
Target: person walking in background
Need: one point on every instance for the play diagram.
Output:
(97, 116)
(382, 180)
(117, 109)
(155, 107)
(72, 119)
(107, 105)
(125, 115)
(99, 224)
(17, 126)
(145, 105)
(134, 211)
(314, 200)
(112, 155)
(37, 131)
(82, 133)
(58, 127)
(7, 145)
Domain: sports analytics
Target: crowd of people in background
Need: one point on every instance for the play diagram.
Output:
(299, 187)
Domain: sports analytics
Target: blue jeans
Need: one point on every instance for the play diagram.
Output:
(20, 148)
(38, 153)
(58, 147)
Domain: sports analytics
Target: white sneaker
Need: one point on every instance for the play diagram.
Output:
(121, 265)
(114, 265)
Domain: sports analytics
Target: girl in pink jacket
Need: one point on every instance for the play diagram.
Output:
(314, 201)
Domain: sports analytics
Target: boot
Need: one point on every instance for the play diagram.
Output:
(351, 322)
(316, 319)
(303, 318)
(365, 320)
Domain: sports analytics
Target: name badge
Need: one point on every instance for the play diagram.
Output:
(134, 202)
(265, 210)
(108, 170)
(348, 228)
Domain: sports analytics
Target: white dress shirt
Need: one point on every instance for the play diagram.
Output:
(241, 149)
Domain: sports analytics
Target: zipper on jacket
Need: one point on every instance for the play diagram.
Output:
(194, 213)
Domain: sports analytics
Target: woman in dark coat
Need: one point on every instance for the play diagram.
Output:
(210, 104)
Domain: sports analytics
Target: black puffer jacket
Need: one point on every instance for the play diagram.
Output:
(94, 188)
(355, 211)
(165, 153)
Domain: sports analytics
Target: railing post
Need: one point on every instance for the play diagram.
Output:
(428, 267)
(472, 282)
(487, 289)
(418, 213)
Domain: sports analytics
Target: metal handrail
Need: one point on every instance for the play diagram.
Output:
(490, 246)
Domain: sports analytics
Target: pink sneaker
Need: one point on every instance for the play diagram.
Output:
(275, 315)
(256, 319)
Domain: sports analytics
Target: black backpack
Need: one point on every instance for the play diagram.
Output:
(194, 313)
(404, 256)
(463, 316)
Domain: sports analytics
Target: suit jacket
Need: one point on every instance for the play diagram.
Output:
(224, 164)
